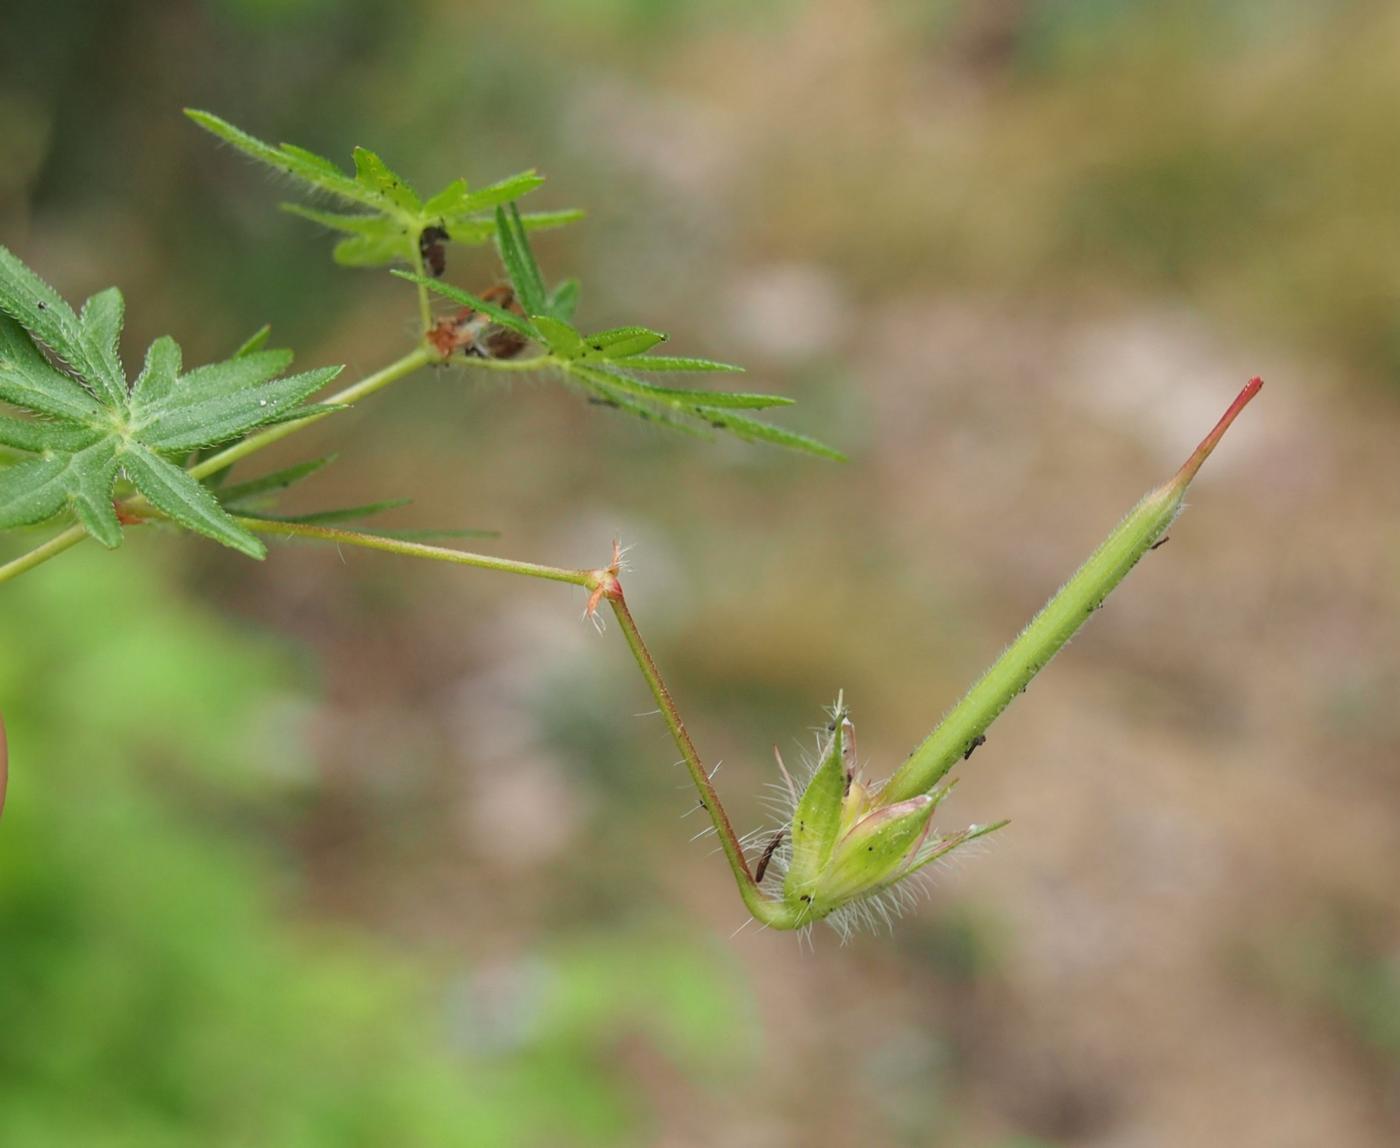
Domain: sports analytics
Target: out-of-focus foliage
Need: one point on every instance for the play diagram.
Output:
(152, 994)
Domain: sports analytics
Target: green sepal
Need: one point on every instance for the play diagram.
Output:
(874, 853)
(817, 819)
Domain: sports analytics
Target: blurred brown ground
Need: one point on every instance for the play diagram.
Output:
(1016, 282)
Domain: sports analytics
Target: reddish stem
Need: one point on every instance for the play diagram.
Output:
(1208, 444)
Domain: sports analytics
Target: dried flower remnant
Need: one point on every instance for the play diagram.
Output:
(478, 334)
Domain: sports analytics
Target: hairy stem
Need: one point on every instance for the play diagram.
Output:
(538, 362)
(42, 553)
(772, 913)
(585, 578)
(425, 311)
(604, 584)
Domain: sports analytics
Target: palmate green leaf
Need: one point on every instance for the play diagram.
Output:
(388, 231)
(589, 362)
(84, 433)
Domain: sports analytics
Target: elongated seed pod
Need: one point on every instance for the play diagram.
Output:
(1145, 525)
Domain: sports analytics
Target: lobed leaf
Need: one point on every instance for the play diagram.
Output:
(562, 338)
(37, 436)
(747, 428)
(157, 380)
(288, 159)
(87, 346)
(371, 250)
(174, 493)
(696, 402)
(89, 428)
(604, 385)
(254, 342)
(34, 491)
(520, 262)
(101, 324)
(485, 198)
(224, 414)
(379, 179)
(28, 380)
(563, 300)
(621, 342)
(324, 517)
(350, 223)
(269, 483)
(671, 363)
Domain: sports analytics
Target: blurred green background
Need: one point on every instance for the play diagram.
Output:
(339, 850)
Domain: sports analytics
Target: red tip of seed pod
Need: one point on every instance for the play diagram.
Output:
(1208, 444)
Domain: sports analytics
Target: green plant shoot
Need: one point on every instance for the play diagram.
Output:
(849, 849)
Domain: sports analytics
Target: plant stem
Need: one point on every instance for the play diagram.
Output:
(585, 578)
(539, 362)
(772, 913)
(425, 312)
(604, 584)
(42, 553)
